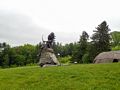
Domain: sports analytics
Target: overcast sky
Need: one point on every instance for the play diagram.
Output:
(25, 21)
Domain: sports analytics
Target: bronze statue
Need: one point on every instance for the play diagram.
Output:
(50, 41)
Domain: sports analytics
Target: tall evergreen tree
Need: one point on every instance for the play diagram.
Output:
(82, 47)
(101, 39)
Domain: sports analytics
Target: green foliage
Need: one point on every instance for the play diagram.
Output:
(73, 77)
(63, 50)
(115, 38)
(66, 59)
(4, 55)
(75, 53)
(58, 48)
(81, 49)
(5, 62)
(115, 48)
(100, 40)
(19, 60)
(101, 37)
(18, 56)
(86, 58)
(92, 51)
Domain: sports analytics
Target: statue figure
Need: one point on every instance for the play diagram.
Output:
(50, 41)
(47, 56)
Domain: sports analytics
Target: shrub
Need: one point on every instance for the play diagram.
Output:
(116, 48)
(85, 58)
(64, 59)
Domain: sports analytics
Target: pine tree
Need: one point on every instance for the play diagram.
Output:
(81, 49)
(101, 39)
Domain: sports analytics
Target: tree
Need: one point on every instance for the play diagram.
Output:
(19, 60)
(12, 54)
(100, 39)
(115, 38)
(81, 49)
(4, 55)
(85, 58)
(17, 56)
(63, 50)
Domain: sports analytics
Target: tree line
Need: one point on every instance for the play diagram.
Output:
(82, 51)
(18, 56)
(88, 47)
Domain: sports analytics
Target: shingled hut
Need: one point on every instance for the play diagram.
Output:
(108, 57)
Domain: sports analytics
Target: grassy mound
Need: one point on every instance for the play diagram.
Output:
(73, 77)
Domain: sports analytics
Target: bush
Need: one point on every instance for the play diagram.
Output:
(64, 59)
(19, 60)
(85, 58)
(115, 48)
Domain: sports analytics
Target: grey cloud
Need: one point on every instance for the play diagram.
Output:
(18, 29)
(114, 24)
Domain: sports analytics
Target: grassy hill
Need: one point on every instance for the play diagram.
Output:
(72, 77)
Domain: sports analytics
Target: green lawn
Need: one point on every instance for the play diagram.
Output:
(72, 77)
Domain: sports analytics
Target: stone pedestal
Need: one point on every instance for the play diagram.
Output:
(48, 57)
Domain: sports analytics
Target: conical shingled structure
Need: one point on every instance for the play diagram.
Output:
(108, 57)
(48, 57)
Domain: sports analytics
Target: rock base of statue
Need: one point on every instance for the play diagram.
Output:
(48, 58)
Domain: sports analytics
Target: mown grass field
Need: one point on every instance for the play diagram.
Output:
(72, 77)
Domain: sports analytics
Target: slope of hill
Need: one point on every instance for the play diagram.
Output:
(73, 77)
